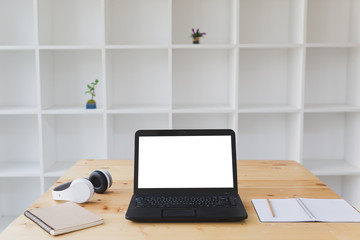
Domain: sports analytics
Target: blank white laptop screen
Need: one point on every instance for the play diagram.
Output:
(185, 162)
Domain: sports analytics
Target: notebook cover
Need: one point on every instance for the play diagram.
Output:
(63, 218)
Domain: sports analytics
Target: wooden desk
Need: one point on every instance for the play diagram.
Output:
(257, 179)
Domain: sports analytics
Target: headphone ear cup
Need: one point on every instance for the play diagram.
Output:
(100, 181)
(81, 190)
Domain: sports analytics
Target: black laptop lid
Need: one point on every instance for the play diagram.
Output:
(185, 161)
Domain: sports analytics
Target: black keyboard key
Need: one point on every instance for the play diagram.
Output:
(232, 201)
(185, 201)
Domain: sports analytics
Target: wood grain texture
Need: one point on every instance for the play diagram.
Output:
(257, 179)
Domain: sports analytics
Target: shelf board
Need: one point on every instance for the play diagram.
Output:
(174, 46)
(19, 169)
(202, 109)
(265, 108)
(17, 47)
(5, 221)
(203, 46)
(331, 167)
(136, 46)
(71, 110)
(332, 45)
(255, 45)
(130, 108)
(58, 169)
(9, 110)
(70, 47)
(330, 108)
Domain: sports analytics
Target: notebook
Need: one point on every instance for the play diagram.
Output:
(63, 218)
(305, 210)
(185, 175)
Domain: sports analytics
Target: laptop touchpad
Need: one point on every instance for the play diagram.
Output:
(179, 213)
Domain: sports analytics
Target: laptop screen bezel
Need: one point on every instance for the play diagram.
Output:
(185, 132)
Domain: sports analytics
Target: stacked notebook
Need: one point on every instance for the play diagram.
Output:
(63, 218)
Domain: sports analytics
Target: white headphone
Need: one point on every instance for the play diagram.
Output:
(82, 189)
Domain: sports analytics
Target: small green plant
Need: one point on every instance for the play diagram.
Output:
(91, 104)
(92, 88)
(196, 35)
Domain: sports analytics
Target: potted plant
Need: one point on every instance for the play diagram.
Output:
(196, 36)
(91, 104)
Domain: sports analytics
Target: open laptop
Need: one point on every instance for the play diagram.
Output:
(185, 175)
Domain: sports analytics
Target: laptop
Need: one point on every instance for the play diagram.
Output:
(185, 176)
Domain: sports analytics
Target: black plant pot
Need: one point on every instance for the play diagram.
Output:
(196, 40)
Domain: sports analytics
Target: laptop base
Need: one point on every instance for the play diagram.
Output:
(176, 214)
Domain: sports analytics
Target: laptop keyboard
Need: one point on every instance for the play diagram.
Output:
(184, 201)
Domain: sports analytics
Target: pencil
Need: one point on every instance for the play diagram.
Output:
(272, 210)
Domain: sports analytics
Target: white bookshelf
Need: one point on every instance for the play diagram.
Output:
(284, 74)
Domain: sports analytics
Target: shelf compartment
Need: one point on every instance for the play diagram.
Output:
(203, 78)
(70, 22)
(269, 136)
(58, 169)
(330, 143)
(333, 21)
(69, 138)
(188, 14)
(270, 78)
(20, 194)
(49, 182)
(17, 30)
(64, 75)
(19, 168)
(203, 121)
(332, 78)
(346, 186)
(271, 21)
(121, 131)
(331, 167)
(350, 186)
(18, 83)
(19, 145)
(130, 75)
(124, 26)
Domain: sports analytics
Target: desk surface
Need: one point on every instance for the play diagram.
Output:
(257, 179)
